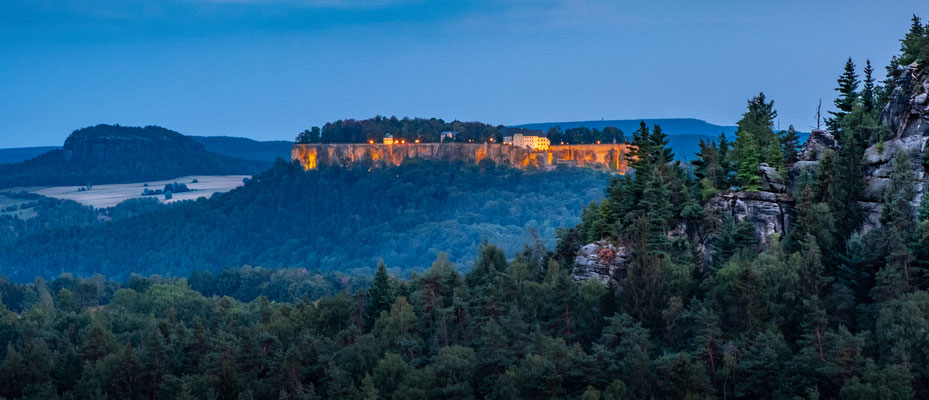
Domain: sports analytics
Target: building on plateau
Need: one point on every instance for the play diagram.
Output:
(536, 143)
(388, 139)
(448, 136)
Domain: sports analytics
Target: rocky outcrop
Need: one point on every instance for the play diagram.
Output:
(768, 212)
(907, 116)
(771, 180)
(817, 144)
(601, 261)
(607, 156)
(907, 111)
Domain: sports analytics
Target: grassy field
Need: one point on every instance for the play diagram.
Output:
(103, 196)
(11, 202)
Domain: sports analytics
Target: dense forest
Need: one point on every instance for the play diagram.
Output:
(374, 129)
(827, 310)
(119, 154)
(430, 130)
(330, 219)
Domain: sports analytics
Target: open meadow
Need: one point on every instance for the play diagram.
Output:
(103, 196)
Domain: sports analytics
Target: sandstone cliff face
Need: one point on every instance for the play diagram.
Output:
(312, 156)
(768, 212)
(907, 115)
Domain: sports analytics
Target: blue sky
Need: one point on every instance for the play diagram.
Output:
(267, 69)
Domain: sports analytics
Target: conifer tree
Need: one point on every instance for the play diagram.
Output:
(659, 145)
(898, 214)
(790, 143)
(848, 187)
(725, 162)
(380, 296)
(748, 175)
(855, 270)
(848, 95)
(639, 155)
(657, 205)
(756, 143)
(911, 45)
(867, 91)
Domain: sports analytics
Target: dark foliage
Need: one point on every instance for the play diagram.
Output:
(330, 219)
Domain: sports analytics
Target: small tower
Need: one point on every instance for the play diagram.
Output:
(388, 139)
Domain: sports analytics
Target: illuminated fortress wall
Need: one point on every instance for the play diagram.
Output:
(612, 156)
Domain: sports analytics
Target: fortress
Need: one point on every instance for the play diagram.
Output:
(605, 156)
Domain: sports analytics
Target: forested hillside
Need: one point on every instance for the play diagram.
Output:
(117, 154)
(245, 148)
(769, 271)
(330, 219)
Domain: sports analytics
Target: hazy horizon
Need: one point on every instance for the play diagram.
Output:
(266, 69)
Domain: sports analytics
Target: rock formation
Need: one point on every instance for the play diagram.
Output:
(610, 156)
(602, 261)
(907, 116)
(817, 144)
(768, 212)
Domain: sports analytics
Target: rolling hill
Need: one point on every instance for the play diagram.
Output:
(118, 154)
(671, 126)
(247, 149)
(20, 154)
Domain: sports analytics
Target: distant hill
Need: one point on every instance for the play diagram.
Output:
(244, 148)
(20, 154)
(119, 154)
(670, 126)
(684, 134)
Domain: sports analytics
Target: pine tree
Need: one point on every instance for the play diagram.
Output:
(725, 161)
(898, 214)
(381, 295)
(813, 218)
(706, 160)
(748, 175)
(855, 270)
(848, 95)
(659, 145)
(849, 186)
(809, 267)
(639, 155)
(656, 202)
(867, 91)
(601, 227)
(911, 45)
(625, 348)
(756, 143)
(790, 143)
